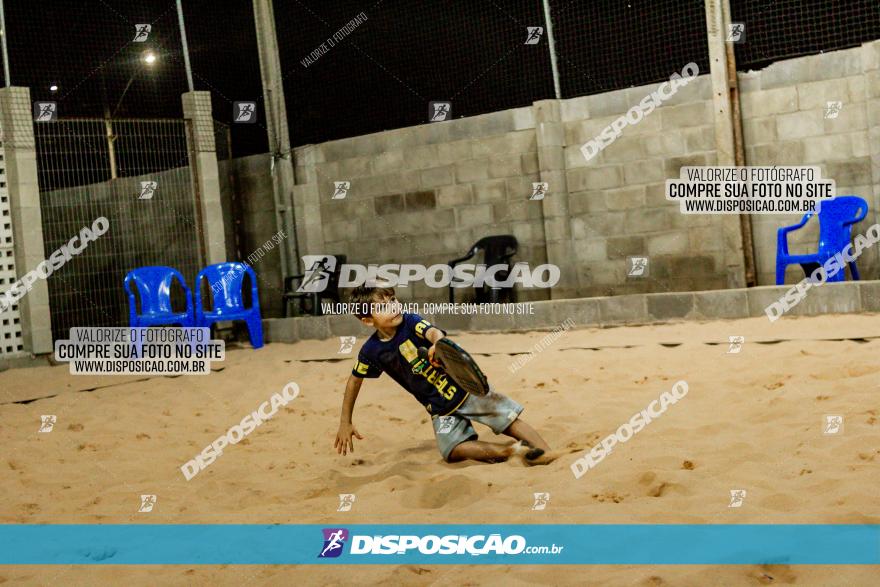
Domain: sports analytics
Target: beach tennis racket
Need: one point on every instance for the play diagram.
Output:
(459, 365)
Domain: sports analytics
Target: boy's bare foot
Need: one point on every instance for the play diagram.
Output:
(529, 454)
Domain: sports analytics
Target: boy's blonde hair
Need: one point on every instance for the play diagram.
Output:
(363, 296)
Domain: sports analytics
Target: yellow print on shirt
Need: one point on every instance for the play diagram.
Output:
(421, 327)
(435, 377)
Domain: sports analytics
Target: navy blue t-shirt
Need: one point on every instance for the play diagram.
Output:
(432, 387)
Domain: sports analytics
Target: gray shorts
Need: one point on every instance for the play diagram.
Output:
(495, 410)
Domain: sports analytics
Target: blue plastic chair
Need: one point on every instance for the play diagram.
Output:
(836, 219)
(154, 289)
(226, 281)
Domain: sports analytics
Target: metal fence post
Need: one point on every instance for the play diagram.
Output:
(283, 178)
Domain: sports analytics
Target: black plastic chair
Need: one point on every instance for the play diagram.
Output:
(497, 250)
(310, 302)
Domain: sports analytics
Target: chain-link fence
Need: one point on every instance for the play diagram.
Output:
(147, 197)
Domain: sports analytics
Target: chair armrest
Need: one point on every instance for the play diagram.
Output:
(782, 233)
(455, 262)
(859, 218)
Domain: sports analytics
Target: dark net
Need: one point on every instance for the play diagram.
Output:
(605, 45)
(87, 51)
(404, 55)
(782, 29)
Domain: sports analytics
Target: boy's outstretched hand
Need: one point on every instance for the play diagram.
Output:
(344, 442)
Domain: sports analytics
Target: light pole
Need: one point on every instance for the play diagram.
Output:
(149, 58)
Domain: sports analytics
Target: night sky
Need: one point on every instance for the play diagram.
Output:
(383, 74)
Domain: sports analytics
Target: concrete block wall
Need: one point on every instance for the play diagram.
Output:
(784, 123)
(426, 194)
(251, 180)
(617, 199)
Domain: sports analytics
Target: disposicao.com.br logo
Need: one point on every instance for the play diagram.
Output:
(320, 269)
(457, 544)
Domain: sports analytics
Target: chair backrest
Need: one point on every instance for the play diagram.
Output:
(497, 249)
(226, 281)
(836, 219)
(154, 287)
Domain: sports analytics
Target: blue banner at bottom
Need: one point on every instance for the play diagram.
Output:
(658, 544)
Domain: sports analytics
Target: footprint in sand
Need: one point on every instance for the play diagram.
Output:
(75, 427)
(773, 575)
(647, 478)
(661, 489)
(608, 496)
(441, 493)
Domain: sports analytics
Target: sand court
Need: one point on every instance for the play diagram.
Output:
(750, 421)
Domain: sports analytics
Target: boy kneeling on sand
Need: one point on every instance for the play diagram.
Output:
(393, 349)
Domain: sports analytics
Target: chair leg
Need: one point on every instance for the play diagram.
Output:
(255, 331)
(855, 271)
(780, 274)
